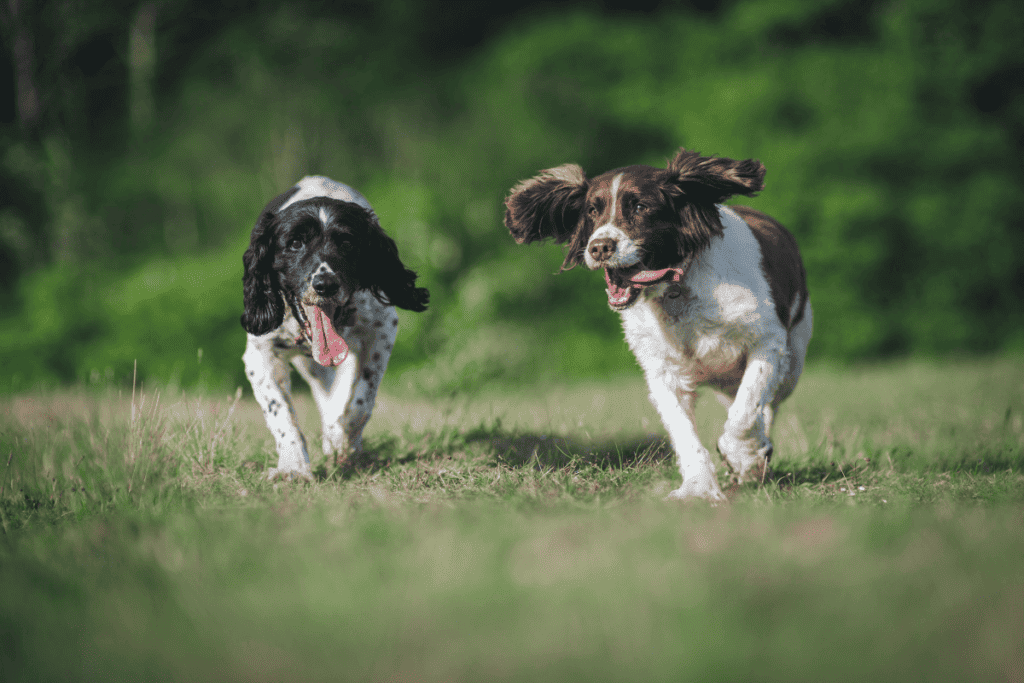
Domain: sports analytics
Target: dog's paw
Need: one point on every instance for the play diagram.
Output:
(694, 490)
(284, 474)
(746, 458)
(340, 445)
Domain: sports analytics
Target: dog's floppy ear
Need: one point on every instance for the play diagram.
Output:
(262, 300)
(547, 206)
(715, 179)
(698, 183)
(384, 274)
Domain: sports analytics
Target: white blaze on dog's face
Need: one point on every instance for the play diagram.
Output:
(633, 221)
(633, 229)
(609, 246)
(635, 218)
(318, 270)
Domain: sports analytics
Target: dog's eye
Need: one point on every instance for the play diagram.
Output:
(640, 208)
(295, 244)
(592, 212)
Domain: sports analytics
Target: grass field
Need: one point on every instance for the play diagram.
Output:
(519, 535)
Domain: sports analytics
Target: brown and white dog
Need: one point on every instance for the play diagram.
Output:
(709, 295)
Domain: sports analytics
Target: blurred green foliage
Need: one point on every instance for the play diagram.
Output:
(892, 133)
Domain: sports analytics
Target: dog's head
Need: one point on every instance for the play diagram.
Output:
(314, 254)
(635, 222)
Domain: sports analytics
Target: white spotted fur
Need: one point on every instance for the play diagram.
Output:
(724, 317)
(344, 395)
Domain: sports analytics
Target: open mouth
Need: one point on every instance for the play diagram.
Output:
(329, 349)
(621, 293)
(624, 285)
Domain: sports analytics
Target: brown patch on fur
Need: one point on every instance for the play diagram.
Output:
(669, 212)
(729, 381)
(780, 262)
(546, 206)
(717, 178)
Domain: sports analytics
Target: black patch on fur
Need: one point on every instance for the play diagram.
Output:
(287, 246)
(383, 273)
(263, 306)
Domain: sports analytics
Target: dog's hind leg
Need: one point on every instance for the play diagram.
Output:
(745, 441)
(771, 375)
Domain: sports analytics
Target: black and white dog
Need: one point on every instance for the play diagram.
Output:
(321, 282)
(709, 295)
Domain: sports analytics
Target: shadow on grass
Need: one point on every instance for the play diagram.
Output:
(518, 450)
(501, 447)
(817, 468)
(557, 452)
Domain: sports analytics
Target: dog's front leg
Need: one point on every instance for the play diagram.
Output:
(344, 400)
(331, 388)
(745, 442)
(675, 405)
(345, 396)
(351, 405)
(271, 384)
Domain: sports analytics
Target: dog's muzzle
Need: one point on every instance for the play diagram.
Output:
(624, 286)
(319, 305)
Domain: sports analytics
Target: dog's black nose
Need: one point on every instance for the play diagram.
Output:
(326, 284)
(602, 249)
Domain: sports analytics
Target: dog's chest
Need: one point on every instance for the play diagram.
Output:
(670, 329)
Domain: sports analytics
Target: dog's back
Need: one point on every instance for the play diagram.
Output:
(781, 263)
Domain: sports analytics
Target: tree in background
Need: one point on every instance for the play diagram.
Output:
(140, 138)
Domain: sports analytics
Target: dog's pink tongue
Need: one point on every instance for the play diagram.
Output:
(646, 277)
(328, 346)
(621, 296)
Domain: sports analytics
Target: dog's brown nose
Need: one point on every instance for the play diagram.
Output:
(602, 249)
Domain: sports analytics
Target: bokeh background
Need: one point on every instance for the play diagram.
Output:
(138, 141)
